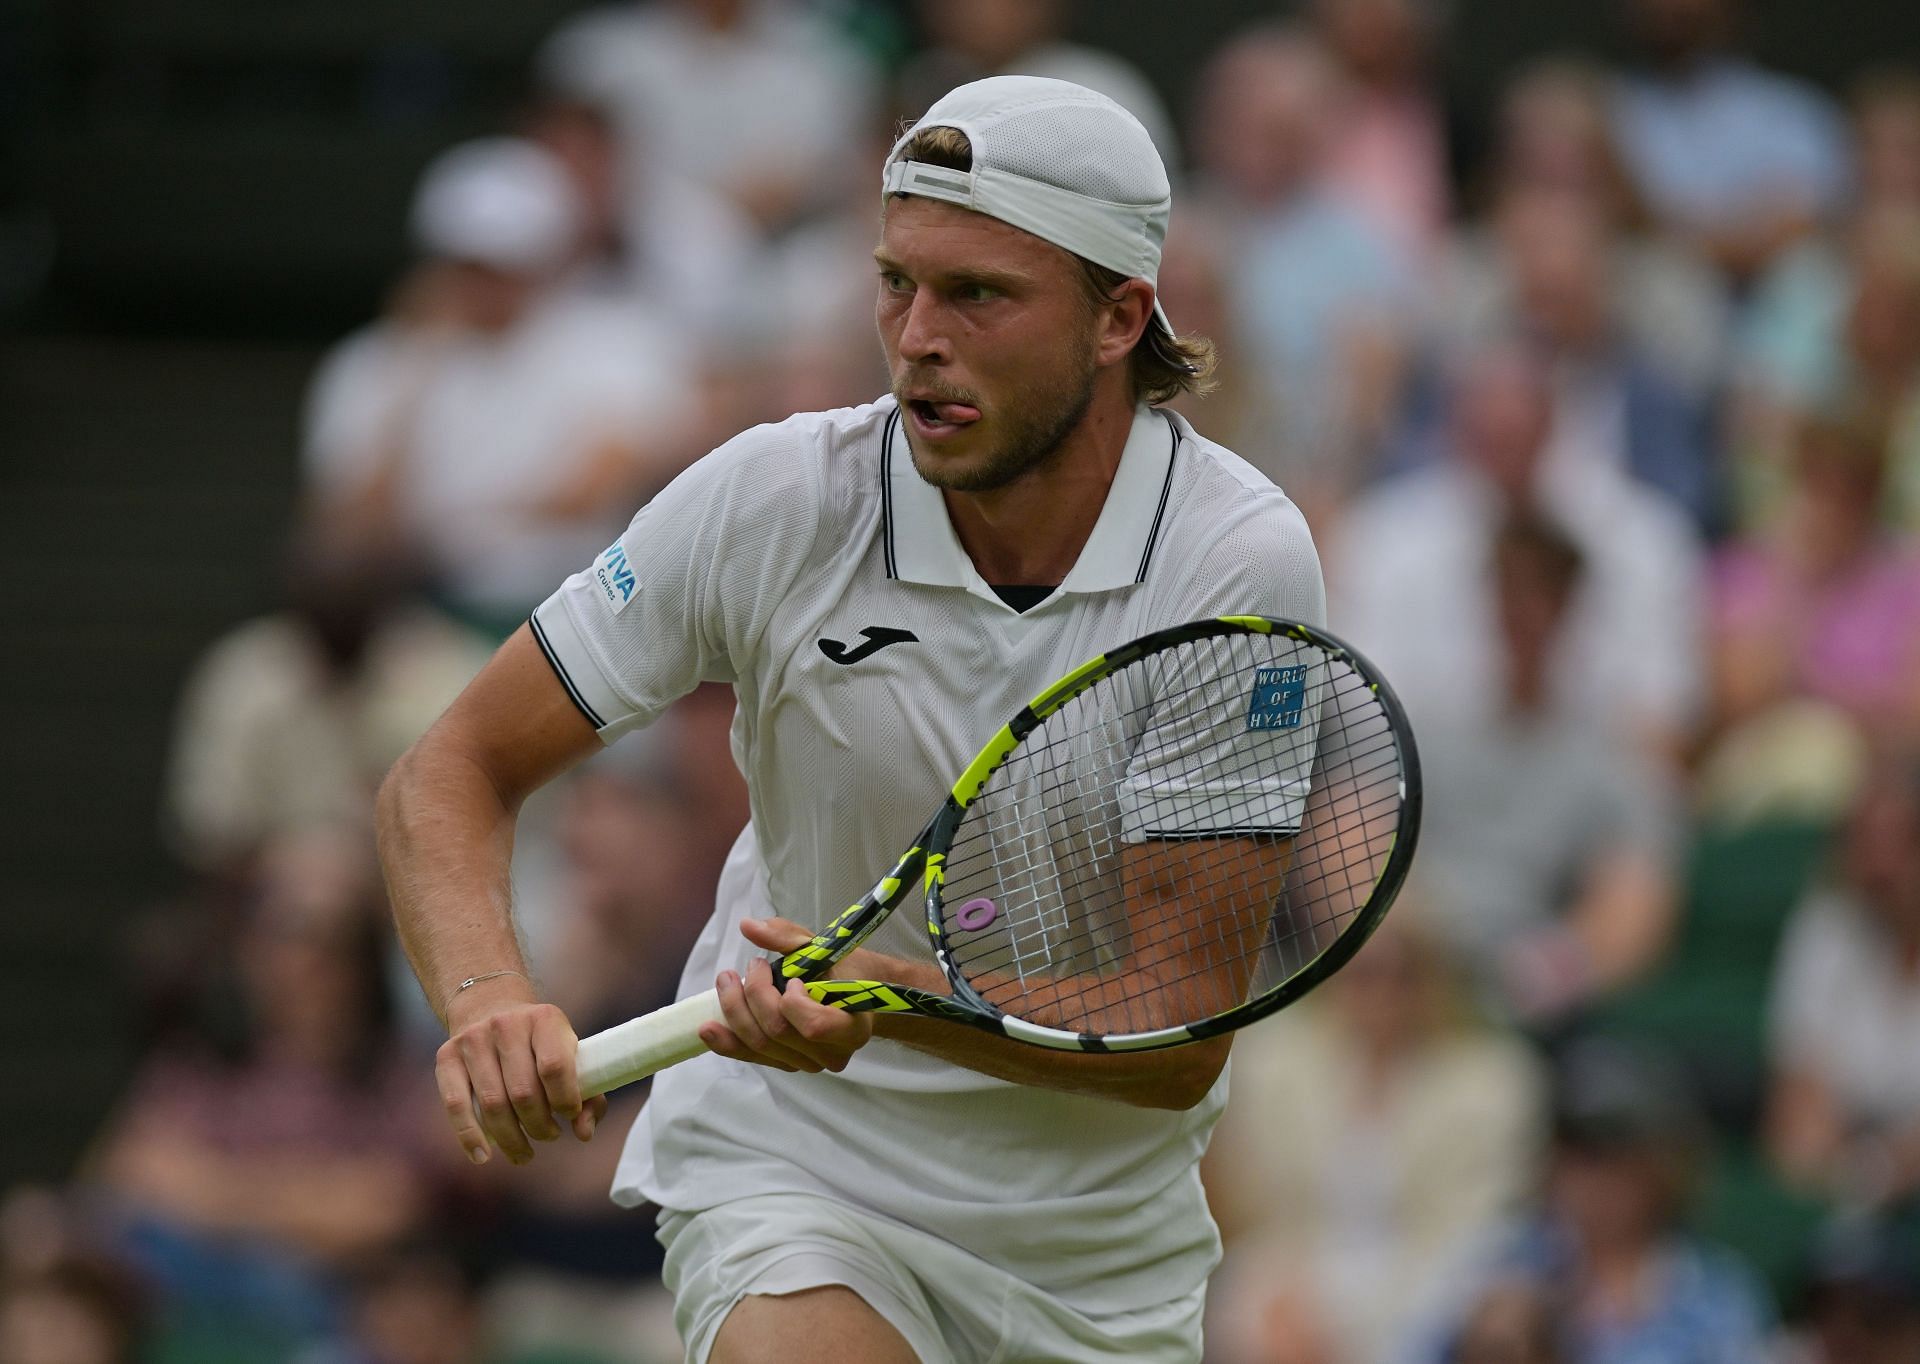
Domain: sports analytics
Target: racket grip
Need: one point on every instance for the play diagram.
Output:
(641, 1046)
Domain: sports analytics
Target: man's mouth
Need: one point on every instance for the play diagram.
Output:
(936, 419)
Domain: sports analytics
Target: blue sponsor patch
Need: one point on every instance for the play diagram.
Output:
(1279, 697)
(615, 577)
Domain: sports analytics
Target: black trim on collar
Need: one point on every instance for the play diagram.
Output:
(886, 490)
(553, 661)
(1166, 490)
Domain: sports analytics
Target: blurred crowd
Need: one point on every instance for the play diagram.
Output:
(1609, 433)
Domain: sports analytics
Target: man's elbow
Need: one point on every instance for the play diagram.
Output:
(391, 799)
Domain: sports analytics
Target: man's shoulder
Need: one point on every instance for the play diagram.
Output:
(1228, 523)
(1219, 475)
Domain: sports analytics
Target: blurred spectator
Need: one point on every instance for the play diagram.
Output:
(1548, 848)
(1738, 160)
(412, 1304)
(1555, 140)
(971, 39)
(1512, 1323)
(1337, 1227)
(1845, 1110)
(1863, 1295)
(1321, 295)
(244, 1170)
(1554, 130)
(1408, 581)
(668, 247)
(1883, 347)
(496, 423)
(1886, 119)
(74, 1310)
(290, 720)
(1550, 270)
(1605, 1258)
(1840, 327)
(1825, 604)
(1388, 152)
(1792, 347)
(759, 100)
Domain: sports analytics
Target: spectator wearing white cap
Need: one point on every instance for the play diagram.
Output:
(493, 423)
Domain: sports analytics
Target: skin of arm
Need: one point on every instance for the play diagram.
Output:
(446, 817)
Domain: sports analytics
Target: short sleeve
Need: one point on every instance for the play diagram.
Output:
(1234, 753)
(685, 594)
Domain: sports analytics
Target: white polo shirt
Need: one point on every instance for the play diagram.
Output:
(809, 565)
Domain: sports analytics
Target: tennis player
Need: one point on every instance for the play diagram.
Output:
(882, 586)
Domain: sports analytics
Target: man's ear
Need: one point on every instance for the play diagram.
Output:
(1124, 319)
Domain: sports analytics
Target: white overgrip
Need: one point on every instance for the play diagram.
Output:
(639, 1047)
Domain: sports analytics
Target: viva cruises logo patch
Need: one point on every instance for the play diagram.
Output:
(615, 577)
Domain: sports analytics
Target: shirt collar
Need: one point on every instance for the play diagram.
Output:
(921, 546)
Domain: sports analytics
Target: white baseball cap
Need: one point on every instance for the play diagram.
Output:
(500, 201)
(1055, 159)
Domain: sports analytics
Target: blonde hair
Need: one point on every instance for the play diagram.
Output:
(1162, 366)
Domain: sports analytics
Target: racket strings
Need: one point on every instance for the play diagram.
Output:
(1188, 834)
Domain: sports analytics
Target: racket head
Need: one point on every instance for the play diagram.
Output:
(1294, 817)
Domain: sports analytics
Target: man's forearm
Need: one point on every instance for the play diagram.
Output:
(1176, 1078)
(446, 844)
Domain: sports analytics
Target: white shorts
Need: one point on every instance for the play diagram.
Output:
(952, 1307)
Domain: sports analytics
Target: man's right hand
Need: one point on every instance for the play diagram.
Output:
(506, 1072)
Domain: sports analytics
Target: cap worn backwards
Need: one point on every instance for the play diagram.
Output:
(1055, 159)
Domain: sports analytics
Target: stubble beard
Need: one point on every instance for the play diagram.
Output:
(1037, 424)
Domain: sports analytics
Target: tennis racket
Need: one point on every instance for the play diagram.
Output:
(1173, 840)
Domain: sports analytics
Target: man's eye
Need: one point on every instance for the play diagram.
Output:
(978, 293)
(895, 282)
